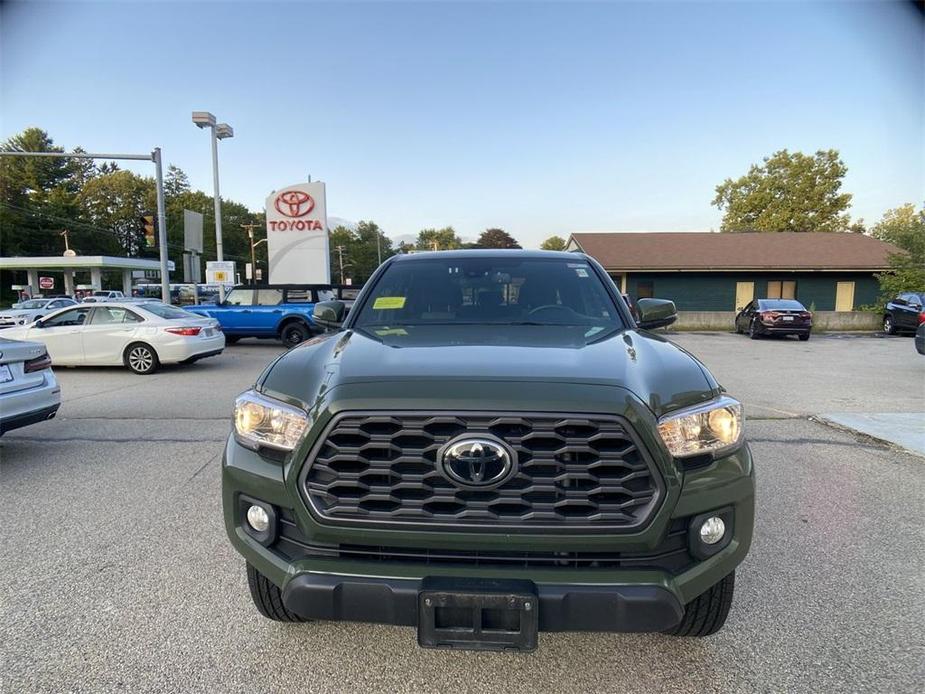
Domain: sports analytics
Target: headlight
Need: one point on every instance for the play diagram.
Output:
(262, 421)
(713, 427)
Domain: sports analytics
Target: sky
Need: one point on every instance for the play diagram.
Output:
(538, 118)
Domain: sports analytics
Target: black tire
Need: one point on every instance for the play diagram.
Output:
(888, 326)
(706, 614)
(140, 358)
(294, 333)
(268, 598)
(752, 333)
(232, 339)
(803, 337)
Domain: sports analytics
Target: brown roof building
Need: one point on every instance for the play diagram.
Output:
(704, 271)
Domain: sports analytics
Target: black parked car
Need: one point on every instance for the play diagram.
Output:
(774, 317)
(920, 339)
(904, 313)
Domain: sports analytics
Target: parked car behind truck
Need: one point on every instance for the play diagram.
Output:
(270, 311)
(29, 392)
(141, 335)
(904, 313)
(768, 317)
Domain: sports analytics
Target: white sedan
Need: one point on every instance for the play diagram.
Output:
(27, 311)
(138, 335)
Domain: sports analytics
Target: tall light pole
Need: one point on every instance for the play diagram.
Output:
(220, 131)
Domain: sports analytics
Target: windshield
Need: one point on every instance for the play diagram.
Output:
(489, 291)
(165, 311)
(34, 303)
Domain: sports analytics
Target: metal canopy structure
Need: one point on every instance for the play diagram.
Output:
(95, 264)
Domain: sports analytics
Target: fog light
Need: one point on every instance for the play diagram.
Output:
(711, 531)
(258, 519)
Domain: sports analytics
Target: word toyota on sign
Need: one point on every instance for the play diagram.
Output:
(295, 203)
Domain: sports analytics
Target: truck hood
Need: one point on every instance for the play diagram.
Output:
(660, 373)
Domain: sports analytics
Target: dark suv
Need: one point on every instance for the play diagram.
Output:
(489, 446)
(904, 313)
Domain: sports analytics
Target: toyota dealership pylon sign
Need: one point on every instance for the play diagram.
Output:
(297, 235)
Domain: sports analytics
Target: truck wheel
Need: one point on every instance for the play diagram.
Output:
(293, 333)
(141, 358)
(232, 339)
(268, 599)
(706, 614)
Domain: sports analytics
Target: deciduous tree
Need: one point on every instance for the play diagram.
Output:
(553, 243)
(787, 192)
(444, 239)
(496, 238)
(903, 227)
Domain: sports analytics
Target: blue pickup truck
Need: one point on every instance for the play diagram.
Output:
(275, 311)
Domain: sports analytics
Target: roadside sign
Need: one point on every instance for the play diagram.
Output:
(46, 282)
(220, 272)
(248, 271)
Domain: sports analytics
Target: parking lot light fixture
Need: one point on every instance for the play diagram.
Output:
(203, 119)
(220, 131)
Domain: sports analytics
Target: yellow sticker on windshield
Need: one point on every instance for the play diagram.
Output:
(391, 331)
(389, 302)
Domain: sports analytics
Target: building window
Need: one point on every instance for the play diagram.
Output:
(786, 289)
(645, 290)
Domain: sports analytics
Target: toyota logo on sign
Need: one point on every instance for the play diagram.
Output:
(294, 203)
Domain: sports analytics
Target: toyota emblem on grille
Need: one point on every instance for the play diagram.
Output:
(476, 461)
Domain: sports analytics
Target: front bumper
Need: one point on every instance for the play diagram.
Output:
(562, 607)
(570, 598)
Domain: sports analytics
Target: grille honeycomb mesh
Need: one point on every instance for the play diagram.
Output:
(572, 470)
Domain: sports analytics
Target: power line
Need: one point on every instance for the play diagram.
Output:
(88, 227)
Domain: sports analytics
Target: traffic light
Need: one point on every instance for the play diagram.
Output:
(150, 231)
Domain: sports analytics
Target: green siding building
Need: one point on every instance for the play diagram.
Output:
(724, 271)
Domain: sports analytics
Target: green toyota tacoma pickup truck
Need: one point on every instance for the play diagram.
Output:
(487, 447)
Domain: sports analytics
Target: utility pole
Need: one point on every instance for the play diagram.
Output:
(250, 233)
(340, 254)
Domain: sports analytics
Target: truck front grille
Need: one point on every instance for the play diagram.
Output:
(672, 554)
(573, 471)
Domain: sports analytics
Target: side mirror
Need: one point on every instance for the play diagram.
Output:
(655, 313)
(38, 324)
(329, 314)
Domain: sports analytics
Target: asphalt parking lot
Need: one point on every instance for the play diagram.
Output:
(117, 574)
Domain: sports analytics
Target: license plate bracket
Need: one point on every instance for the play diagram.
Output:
(478, 620)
